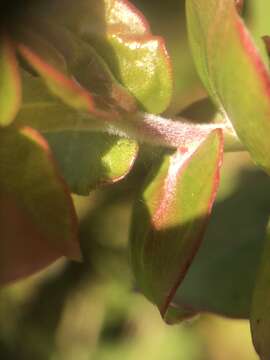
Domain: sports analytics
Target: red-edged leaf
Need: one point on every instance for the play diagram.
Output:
(61, 85)
(170, 218)
(232, 71)
(38, 221)
(10, 88)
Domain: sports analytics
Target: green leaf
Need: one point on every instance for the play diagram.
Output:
(138, 59)
(260, 319)
(170, 217)
(222, 275)
(142, 65)
(10, 89)
(232, 71)
(38, 221)
(88, 160)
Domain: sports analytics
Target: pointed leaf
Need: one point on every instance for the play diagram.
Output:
(232, 71)
(170, 218)
(260, 314)
(38, 222)
(10, 89)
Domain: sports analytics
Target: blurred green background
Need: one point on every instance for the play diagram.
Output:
(93, 310)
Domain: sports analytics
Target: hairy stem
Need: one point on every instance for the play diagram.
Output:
(142, 127)
(156, 130)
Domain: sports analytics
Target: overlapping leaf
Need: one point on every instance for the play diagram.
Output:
(37, 218)
(170, 217)
(86, 158)
(232, 71)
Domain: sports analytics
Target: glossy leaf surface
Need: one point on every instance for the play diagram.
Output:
(38, 222)
(170, 217)
(232, 71)
(10, 90)
(138, 59)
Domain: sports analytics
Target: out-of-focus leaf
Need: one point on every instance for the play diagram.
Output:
(123, 17)
(88, 160)
(260, 314)
(138, 59)
(232, 74)
(10, 89)
(222, 275)
(170, 217)
(38, 221)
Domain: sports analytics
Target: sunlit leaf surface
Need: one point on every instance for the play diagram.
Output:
(170, 217)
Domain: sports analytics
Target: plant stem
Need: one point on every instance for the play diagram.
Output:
(159, 131)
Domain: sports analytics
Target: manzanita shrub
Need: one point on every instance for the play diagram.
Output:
(83, 85)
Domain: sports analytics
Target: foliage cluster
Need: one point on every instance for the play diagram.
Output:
(85, 89)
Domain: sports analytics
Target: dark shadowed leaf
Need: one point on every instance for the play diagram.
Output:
(222, 275)
(38, 222)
